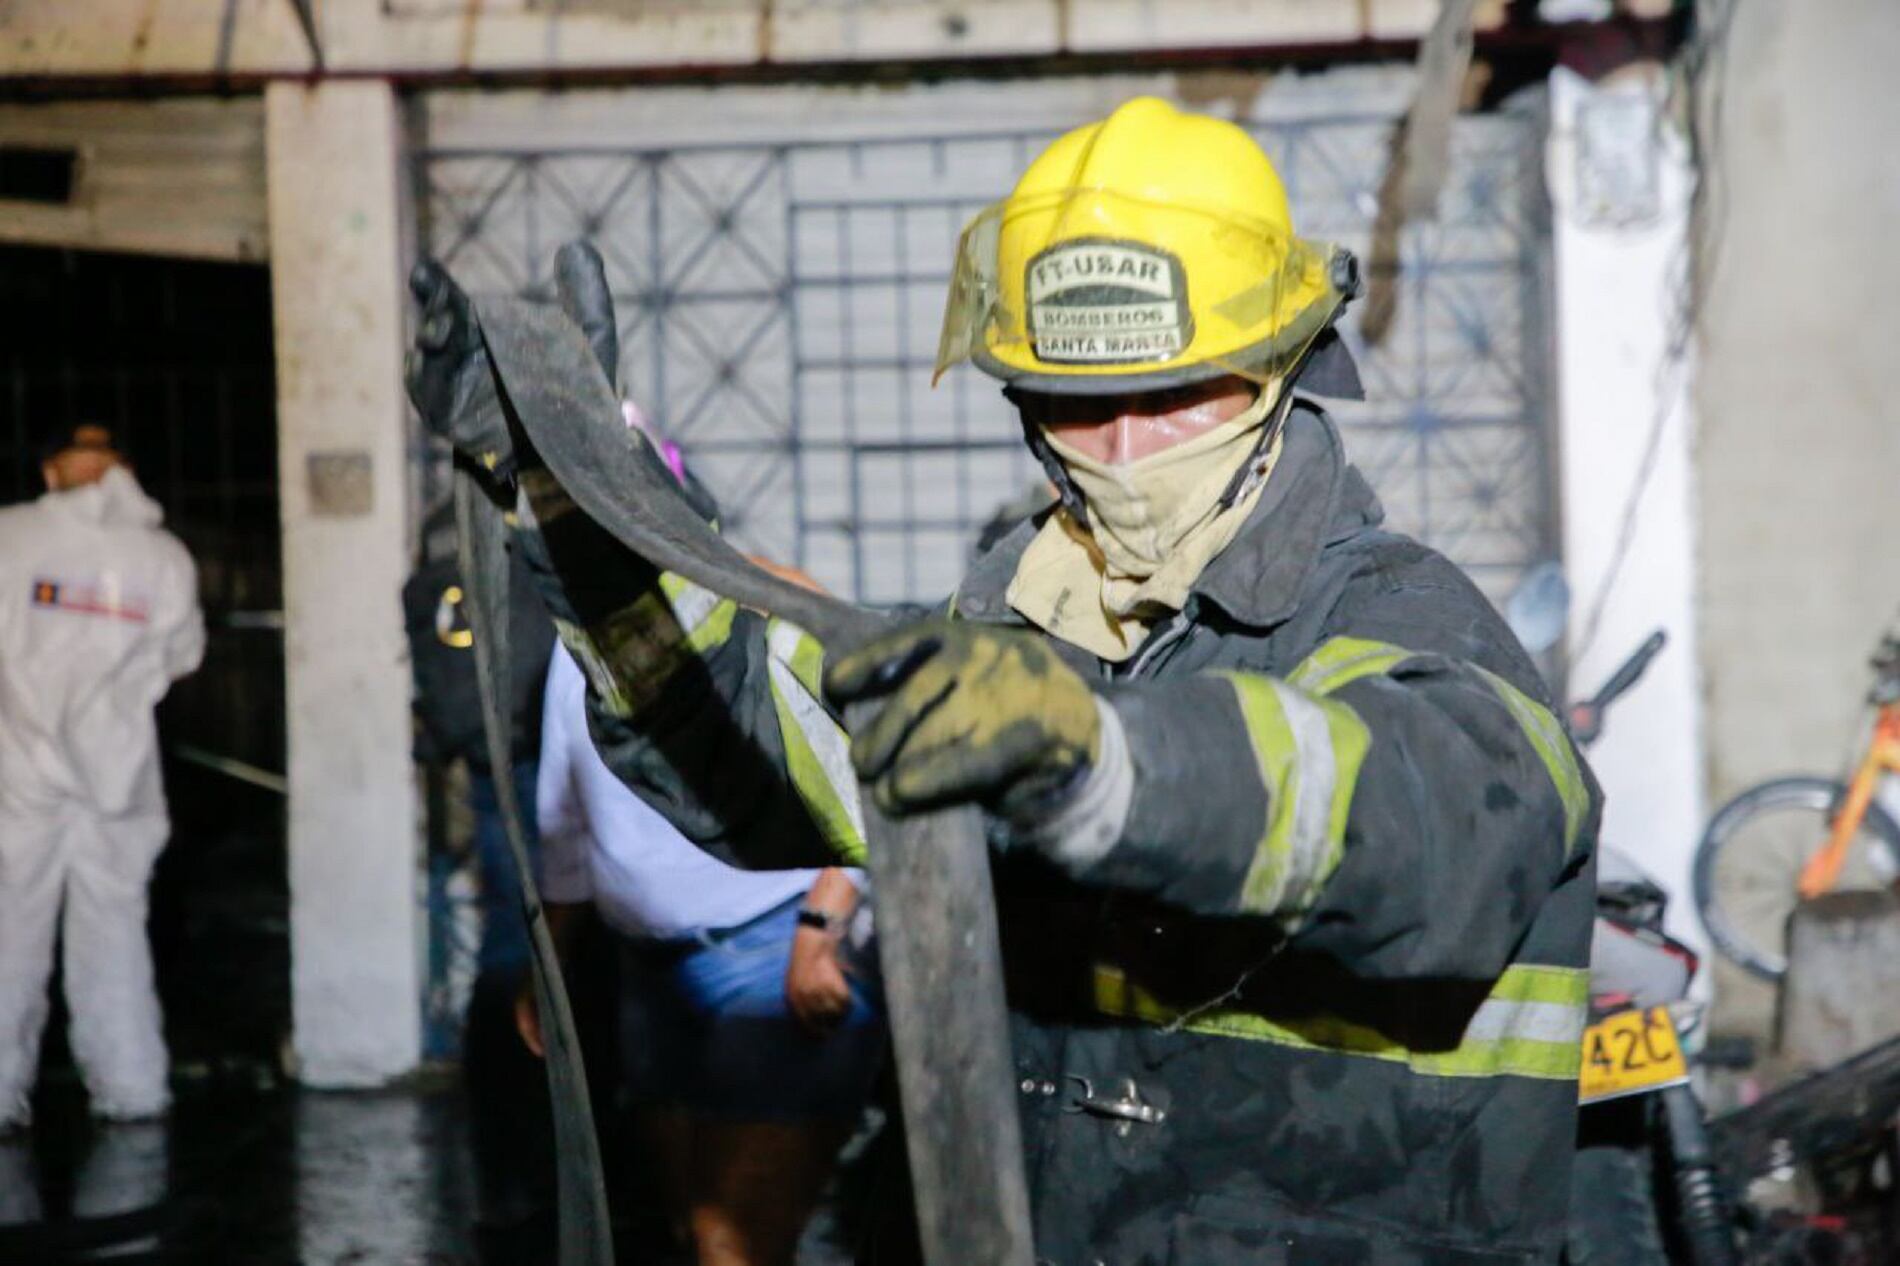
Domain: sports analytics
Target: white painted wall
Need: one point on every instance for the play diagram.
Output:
(1614, 308)
(338, 245)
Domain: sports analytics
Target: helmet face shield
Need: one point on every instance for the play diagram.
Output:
(1090, 291)
(974, 301)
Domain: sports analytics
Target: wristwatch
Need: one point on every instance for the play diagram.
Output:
(823, 920)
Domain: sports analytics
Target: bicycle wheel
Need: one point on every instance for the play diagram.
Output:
(1750, 858)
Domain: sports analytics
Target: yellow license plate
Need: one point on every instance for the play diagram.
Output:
(1628, 1053)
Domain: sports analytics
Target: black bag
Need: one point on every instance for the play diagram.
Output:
(448, 702)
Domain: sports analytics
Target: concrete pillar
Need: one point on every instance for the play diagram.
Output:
(337, 248)
(1842, 992)
(1620, 185)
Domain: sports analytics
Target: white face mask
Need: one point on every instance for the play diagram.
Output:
(1141, 512)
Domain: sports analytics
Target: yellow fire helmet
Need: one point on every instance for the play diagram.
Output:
(1143, 252)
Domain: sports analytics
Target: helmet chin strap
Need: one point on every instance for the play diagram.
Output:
(1052, 467)
(1254, 469)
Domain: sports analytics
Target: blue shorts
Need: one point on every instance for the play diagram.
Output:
(705, 1025)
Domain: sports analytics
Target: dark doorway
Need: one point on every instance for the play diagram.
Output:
(175, 356)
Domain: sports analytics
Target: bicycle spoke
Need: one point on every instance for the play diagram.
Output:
(1748, 869)
(1756, 872)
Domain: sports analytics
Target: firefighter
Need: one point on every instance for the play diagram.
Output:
(1293, 861)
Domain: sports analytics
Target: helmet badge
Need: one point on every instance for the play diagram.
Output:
(1103, 301)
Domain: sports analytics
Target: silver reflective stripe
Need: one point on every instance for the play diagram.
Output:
(823, 737)
(1309, 752)
(692, 605)
(1530, 1026)
(1085, 828)
(1313, 792)
(782, 640)
(1498, 1018)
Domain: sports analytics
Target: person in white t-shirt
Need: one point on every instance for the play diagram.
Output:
(752, 1025)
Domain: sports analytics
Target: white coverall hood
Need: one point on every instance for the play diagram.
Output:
(115, 499)
(98, 615)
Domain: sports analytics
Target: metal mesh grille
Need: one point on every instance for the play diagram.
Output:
(780, 302)
(779, 306)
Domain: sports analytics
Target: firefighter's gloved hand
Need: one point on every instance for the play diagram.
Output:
(449, 378)
(580, 279)
(970, 714)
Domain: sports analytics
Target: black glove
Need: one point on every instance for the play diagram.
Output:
(973, 714)
(449, 378)
(580, 277)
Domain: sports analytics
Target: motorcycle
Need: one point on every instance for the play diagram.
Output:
(1645, 1190)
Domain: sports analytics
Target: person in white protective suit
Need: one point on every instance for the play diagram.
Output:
(98, 616)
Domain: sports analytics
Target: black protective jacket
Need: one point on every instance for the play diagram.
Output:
(1322, 1000)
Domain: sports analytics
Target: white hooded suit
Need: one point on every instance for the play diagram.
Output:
(98, 616)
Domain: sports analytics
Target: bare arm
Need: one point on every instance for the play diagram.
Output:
(815, 984)
(563, 918)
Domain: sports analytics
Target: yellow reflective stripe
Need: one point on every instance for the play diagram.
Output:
(808, 663)
(1531, 1025)
(1350, 742)
(817, 752)
(833, 817)
(715, 631)
(1278, 761)
(629, 656)
(1308, 752)
(1341, 660)
(1533, 982)
(1511, 1057)
(1553, 748)
(703, 615)
(594, 667)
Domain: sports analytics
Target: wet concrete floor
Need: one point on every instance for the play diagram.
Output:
(279, 1176)
(249, 1173)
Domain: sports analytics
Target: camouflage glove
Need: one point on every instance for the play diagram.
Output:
(970, 714)
(449, 378)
